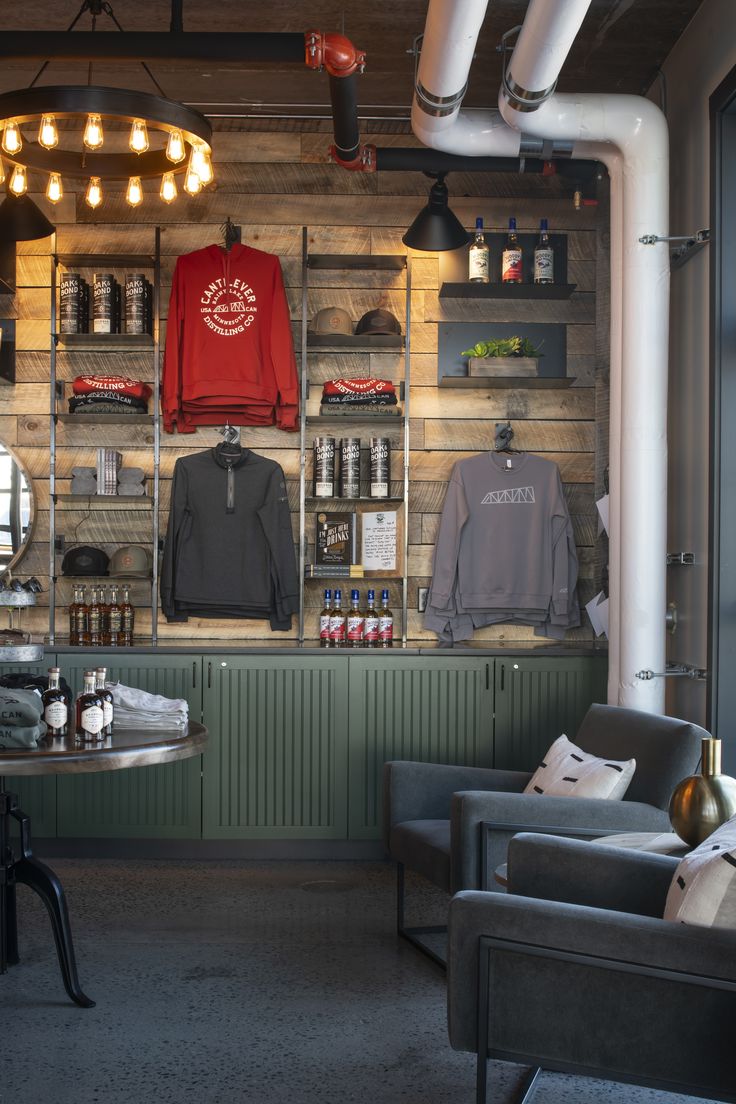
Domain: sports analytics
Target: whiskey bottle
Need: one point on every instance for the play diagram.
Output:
(324, 622)
(82, 617)
(544, 257)
(479, 256)
(74, 617)
(95, 619)
(385, 623)
(337, 622)
(104, 616)
(55, 710)
(511, 257)
(107, 700)
(127, 618)
(90, 715)
(370, 630)
(356, 621)
(114, 618)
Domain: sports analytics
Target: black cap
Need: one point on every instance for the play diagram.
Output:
(85, 560)
(378, 321)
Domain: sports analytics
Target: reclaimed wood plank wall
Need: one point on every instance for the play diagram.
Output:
(272, 184)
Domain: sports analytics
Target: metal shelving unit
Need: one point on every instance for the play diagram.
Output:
(317, 343)
(123, 343)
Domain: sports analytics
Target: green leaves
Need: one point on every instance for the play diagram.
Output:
(503, 347)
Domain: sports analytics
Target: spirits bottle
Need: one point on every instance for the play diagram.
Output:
(544, 257)
(74, 617)
(82, 617)
(479, 256)
(95, 619)
(370, 630)
(55, 709)
(385, 623)
(127, 618)
(107, 700)
(90, 715)
(324, 622)
(511, 257)
(356, 621)
(337, 622)
(114, 618)
(104, 616)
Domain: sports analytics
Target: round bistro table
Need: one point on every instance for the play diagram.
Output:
(125, 748)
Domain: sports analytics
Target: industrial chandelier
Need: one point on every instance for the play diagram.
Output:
(166, 140)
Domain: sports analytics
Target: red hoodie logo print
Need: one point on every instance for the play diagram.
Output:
(228, 308)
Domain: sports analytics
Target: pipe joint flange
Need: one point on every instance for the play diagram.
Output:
(439, 106)
(522, 99)
(333, 52)
(364, 162)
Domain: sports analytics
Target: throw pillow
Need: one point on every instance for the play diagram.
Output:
(568, 771)
(703, 889)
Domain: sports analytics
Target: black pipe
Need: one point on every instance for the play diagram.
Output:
(344, 97)
(409, 159)
(177, 15)
(134, 45)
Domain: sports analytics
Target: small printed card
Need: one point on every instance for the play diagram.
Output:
(379, 540)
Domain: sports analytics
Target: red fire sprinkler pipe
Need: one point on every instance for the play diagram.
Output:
(343, 61)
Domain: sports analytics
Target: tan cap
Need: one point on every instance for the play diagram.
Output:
(332, 320)
(132, 562)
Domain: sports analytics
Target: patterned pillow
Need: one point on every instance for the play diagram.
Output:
(567, 771)
(703, 890)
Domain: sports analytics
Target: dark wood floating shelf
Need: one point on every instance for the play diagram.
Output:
(337, 499)
(105, 419)
(381, 419)
(356, 342)
(106, 501)
(103, 261)
(107, 341)
(393, 261)
(506, 291)
(507, 381)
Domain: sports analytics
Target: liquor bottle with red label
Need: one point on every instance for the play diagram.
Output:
(337, 622)
(511, 257)
(356, 621)
(385, 623)
(324, 621)
(370, 627)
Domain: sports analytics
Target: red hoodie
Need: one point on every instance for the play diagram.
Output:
(229, 354)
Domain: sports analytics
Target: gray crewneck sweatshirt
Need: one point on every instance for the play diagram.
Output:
(505, 545)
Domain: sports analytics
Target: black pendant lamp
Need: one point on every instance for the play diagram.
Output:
(22, 220)
(436, 228)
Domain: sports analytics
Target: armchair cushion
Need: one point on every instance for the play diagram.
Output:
(568, 771)
(703, 889)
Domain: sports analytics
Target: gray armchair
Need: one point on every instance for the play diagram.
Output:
(574, 969)
(452, 824)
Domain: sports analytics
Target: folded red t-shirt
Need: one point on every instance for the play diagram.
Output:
(362, 388)
(88, 385)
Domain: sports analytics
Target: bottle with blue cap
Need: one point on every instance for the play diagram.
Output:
(385, 623)
(337, 622)
(324, 621)
(544, 258)
(356, 621)
(370, 623)
(511, 258)
(479, 256)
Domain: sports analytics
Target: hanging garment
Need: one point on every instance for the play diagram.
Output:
(229, 548)
(505, 549)
(229, 354)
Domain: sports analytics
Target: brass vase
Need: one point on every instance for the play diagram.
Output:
(703, 802)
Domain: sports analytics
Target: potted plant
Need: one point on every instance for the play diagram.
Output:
(503, 356)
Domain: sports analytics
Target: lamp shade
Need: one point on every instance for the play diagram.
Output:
(435, 228)
(22, 220)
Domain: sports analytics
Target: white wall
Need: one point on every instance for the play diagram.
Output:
(701, 59)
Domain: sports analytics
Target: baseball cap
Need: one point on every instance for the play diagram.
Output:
(332, 320)
(85, 560)
(131, 561)
(378, 321)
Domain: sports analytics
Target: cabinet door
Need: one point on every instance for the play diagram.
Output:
(537, 700)
(276, 763)
(161, 801)
(36, 796)
(432, 710)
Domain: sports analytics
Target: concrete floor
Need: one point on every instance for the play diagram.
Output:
(222, 982)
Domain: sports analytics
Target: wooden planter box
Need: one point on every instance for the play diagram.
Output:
(520, 367)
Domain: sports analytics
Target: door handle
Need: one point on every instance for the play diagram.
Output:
(209, 675)
(194, 674)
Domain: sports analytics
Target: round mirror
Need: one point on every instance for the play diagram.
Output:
(17, 512)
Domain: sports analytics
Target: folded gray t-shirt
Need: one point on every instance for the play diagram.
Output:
(19, 708)
(18, 737)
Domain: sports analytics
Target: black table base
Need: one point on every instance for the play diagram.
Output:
(27, 870)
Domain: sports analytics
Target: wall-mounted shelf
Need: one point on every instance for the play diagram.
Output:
(107, 502)
(506, 381)
(379, 419)
(107, 341)
(338, 500)
(358, 343)
(103, 261)
(506, 291)
(375, 261)
(106, 419)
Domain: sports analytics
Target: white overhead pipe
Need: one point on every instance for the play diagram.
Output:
(629, 134)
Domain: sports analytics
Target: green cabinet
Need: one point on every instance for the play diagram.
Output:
(36, 796)
(537, 699)
(276, 762)
(437, 710)
(162, 801)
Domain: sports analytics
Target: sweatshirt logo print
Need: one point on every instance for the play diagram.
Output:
(511, 494)
(228, 308)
